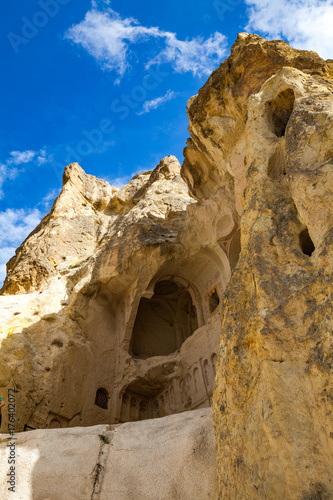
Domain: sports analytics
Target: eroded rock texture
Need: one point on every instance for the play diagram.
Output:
(123, 322)
(111, 310)
(214, 156)
(273, 397)
(169, 458)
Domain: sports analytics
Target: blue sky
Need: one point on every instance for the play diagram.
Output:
(106, 83)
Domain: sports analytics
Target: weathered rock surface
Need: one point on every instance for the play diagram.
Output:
(169, 458)
(73, 334)
(66, 237)
(274, 389)
(214, 156)
(258, 171)
(86, 211)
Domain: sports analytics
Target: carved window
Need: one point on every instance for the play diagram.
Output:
(143, 406)
(133, 403)
(102, 398)
(214, 359)
(213, 300)
(206, 372)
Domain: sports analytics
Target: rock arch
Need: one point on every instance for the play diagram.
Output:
(164, 322)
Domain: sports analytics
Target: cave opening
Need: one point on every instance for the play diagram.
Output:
(164, 321)
(279, 111)
(141, 401)
(306, 242)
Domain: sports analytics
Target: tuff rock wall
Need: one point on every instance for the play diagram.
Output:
(77, 284)
(259, 159)
(167, 458)
(264, 122)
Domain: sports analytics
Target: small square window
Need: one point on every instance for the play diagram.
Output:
(102, 398)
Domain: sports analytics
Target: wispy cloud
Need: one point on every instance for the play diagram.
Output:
(15, 226)
(9, 168)
(197, 56)
(43, 157)
(305, 24)
(107, 37)
(18, 157)
(159, 101)
(48, 200)
(118, 182)
(6, 173)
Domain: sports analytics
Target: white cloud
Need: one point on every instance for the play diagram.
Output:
(305, 24)
(118, 182)
(156, 103)
(43, 157)
(9, 170)
(197, 56)
(48, 200)
(6, 172)
(15, 226)
(95, 3)
(18, 157)
(107, 37)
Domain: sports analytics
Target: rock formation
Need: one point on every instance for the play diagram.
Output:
(120, 316)
(169, 458)
(112, 307)
(264, 121)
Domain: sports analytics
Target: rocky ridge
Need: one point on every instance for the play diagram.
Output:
(259, 157)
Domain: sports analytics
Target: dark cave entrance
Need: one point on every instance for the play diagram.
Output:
(164, 322)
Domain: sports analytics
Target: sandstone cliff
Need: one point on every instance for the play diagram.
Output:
(263, 122)
(257, 175)
(80, 288)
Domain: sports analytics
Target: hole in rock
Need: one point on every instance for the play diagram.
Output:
(213, 300)
(173, 335)
(102, 398)
(163, 322)
(306, 243)
(276, 165)
(279, 111)
(235, 249)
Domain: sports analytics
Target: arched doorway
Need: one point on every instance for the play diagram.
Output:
(164, 322)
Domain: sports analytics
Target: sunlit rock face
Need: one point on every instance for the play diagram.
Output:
(123, 323)
(263, 126)
(214, 156)
(112, 308)
(172, 457)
